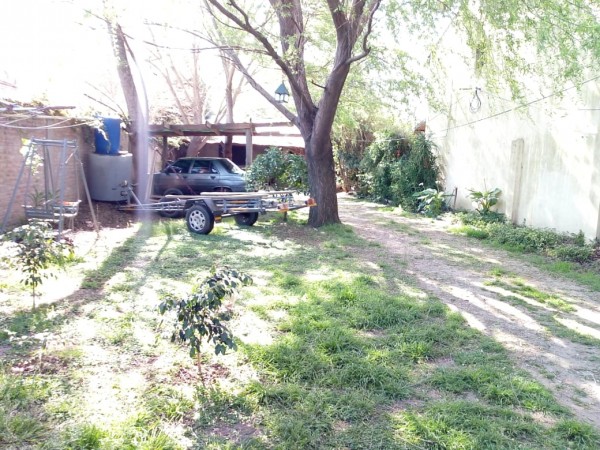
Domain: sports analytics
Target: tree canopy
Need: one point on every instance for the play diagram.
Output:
(315, 44)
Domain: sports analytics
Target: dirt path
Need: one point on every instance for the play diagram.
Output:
(544, 337)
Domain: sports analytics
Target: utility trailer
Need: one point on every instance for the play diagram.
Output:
(203, 211)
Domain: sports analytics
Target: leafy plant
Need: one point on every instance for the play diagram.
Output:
(576, 253)
(42, 198)
(485, 200)
(431, 202)
(548, 242)
(277, 170)
(350, 138)
(36, 248)
(200, 316)
(396, 166)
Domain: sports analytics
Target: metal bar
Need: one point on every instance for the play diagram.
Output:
(54, 142)
(61, 189)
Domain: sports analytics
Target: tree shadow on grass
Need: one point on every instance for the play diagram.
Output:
(350, 351)
(48, 317)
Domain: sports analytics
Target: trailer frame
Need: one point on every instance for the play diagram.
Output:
(203, 211)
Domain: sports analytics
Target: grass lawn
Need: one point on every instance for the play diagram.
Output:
(336, 349)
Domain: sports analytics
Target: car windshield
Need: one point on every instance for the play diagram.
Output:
(230, 166)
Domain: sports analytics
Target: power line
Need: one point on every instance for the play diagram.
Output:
(47, 127)
(523, 105)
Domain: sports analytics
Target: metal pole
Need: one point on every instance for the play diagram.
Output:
(87, 191)
(61, 191)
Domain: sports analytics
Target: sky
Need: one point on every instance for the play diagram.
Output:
(53, 51)
(47, 53)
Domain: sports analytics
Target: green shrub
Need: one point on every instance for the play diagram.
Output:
(524, 238)
(485, 200)
(493, 217)
(396, 166)
(569, 252)
(562, 246)
(350, 143)
(278, 170)
(431, 202)
(202, 316)
(35, 248)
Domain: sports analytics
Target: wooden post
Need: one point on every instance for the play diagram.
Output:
(248, 148)
(516, 165)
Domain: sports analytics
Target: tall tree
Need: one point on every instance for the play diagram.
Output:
(353, 25)
(508, 39)
(123, 54)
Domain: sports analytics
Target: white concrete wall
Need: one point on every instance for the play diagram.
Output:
(544, 157)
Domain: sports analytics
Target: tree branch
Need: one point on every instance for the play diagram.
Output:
(366, 50)
(244, 24)
(252, 82)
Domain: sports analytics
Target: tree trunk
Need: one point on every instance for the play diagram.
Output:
(321, 176)
(136, 123)
(352, 22)
(129, 90)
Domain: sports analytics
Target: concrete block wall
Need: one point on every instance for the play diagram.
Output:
(12, 133)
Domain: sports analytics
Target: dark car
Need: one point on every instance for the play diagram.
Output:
(191, 176)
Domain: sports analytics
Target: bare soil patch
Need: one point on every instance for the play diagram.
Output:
(107, 216)
(457, 271)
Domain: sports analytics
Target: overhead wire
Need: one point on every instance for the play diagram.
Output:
(523, 105)
(47, 127)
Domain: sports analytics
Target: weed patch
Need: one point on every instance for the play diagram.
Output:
(566, 254)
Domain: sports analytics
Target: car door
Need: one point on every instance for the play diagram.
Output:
(174, 176)
(203, 176)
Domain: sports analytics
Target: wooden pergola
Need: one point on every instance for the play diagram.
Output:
(247, 129)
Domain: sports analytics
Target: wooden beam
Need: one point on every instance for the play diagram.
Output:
(276, 133)
(211, 129)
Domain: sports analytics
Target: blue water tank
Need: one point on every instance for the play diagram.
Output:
(109, 142)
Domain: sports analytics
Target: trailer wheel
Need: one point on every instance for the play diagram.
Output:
(246, 219)
(173, 214)
(199, 219)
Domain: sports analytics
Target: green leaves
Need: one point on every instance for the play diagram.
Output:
(431, 201)
(36, 248)
(396, 166)
(200, 315)
(485, 200)
(277, 170)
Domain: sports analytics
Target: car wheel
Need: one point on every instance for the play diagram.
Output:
(246, 219)
(222, 189)
(171, 213)
(199, 219)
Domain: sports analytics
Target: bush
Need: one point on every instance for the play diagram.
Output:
(431, 202)
(563, 246)
(524, 238)
(276, 170)
(485, 200)
(575, 253)
(397, 166)
(35, 248)
(350, 143)
(201, 315)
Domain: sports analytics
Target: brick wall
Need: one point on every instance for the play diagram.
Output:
(12, 132)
